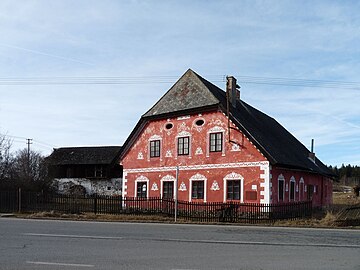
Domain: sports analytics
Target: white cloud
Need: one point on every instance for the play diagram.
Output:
(307, 39)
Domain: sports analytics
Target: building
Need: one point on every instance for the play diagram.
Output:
(89, 170)
(224, 149)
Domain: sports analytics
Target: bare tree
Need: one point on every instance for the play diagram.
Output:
(30, 170)
(5, 160)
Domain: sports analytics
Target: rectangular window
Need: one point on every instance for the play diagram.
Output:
(168, 190)
(141, 190)
(310, 192)
(197, 191)
(216, 142)
(292, 191)
(155, 148)
(233, 189)
(98, 171)
(281, 190)
(183, 146)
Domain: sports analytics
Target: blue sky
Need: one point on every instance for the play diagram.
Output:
(155, 42)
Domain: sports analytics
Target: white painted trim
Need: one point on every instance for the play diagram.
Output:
(197, 177)
(124, 185)
(281, 178)
(182, 134)
(266, 184)
(167, 178)
(155, 138)
(301, 190)
(142, 178)
(216, 129)
(183, 117)
(199, 167)
(292, 180)
(234, 176)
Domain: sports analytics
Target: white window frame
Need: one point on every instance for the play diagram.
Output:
(142, 178)
(197, 177)
(182, 134)
(167, 178)
(234, 176)
(215, 129)
(292, 180)
(155, 138)
(281, 178)
(301, 190)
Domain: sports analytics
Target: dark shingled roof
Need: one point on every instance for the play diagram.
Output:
(189, 92)
(85, 155)
(192, 92)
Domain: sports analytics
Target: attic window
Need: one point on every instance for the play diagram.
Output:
(169, 126)
(199, 122)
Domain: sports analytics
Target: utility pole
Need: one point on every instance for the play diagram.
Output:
(176, 192)
(29, 141)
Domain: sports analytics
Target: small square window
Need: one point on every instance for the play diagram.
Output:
(183, 146)
(141, 190)
(168, 190)
(233, 189)
(197, 190)
(155, 148)
(216, 142)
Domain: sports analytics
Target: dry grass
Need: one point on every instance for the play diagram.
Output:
(91, 216)
(341, 198)
(321, 218)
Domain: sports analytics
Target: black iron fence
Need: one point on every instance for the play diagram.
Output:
(234, 212)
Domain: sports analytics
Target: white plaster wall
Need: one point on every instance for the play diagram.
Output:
(102, 187)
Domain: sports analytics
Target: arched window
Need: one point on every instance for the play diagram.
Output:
(292, 189)
(198, 187)
(281, 188)
(234, 187)
(168, 187)
(141, 187)
(301, 189)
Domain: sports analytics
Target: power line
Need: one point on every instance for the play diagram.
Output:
(19, 139)
(118, 80)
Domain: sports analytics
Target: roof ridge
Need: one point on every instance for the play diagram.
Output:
(189, 92)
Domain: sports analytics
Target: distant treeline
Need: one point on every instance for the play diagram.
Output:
(348, 171)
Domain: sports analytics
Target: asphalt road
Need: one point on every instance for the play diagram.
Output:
(38, 244)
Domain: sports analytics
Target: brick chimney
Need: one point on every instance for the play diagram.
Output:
(232, 90)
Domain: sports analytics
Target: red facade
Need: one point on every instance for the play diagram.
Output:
(199, 165)
(218, 160)
(306, 186)
(217, 173)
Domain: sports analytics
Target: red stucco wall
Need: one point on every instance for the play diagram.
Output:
(245, 161)
(214, 164)
(322, 195)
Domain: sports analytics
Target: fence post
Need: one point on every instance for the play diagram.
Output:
(19, 199)
(176, 192)
(95, 204)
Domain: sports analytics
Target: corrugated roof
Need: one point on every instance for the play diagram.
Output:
(85, 155)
